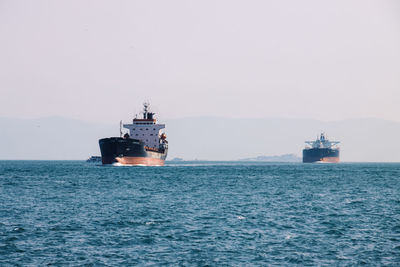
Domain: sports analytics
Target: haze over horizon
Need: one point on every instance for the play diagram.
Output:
(99, 60)
(362, 140)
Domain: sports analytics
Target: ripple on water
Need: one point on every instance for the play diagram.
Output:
(73, 213)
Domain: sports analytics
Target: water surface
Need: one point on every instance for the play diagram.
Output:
(199, 213)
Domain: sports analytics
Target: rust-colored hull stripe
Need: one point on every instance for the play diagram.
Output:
(140, 161)
(330, 159)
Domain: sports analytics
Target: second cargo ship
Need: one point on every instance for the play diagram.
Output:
(144, 145)
(321, 150)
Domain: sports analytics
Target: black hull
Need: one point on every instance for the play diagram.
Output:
(321, 155)
(129, 151)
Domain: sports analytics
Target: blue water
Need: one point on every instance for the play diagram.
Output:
(215, 214)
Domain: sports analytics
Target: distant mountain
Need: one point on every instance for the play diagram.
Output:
(51, 138)
(208, 138)
(281, 158)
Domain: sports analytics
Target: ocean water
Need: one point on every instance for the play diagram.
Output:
(71, 213)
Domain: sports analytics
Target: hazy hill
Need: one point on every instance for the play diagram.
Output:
(204, 138)
(51, 138)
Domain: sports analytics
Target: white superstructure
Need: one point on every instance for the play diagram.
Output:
(147, 129)
(322, 142)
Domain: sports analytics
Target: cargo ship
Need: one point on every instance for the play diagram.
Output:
(321, 150)
(145, 144)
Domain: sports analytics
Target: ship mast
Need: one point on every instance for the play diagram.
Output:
(147, 114)
(145, 110)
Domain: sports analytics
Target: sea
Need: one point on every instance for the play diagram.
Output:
(73, 213)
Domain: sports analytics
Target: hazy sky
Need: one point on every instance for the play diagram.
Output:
(99, 60)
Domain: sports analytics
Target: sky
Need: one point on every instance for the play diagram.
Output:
(100, 60)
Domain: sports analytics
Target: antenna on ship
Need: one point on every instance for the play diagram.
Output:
(120, 128)
(145, 110)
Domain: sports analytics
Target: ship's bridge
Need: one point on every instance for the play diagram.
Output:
(322, 142)
(146, 129)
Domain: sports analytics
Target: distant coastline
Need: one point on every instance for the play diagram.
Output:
(277, 158)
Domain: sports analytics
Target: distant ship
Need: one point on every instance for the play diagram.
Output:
(145, 145)
(321, 150)
(94, 159)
